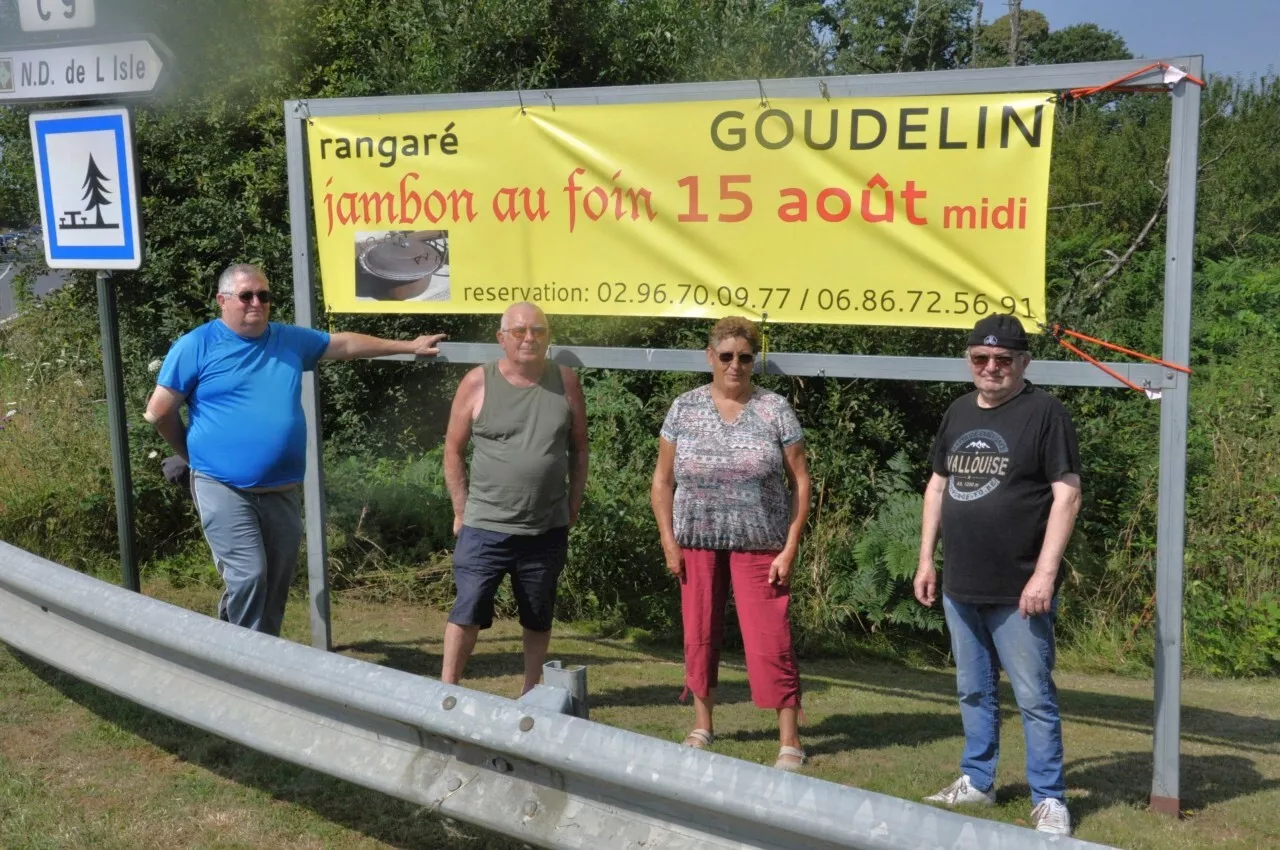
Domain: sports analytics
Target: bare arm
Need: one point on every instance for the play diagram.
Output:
(579, 453)
(926, 581)
(349, 346)
(662, 498)
(466, 404)
(1037, 596)
(797, 469)
(163, 412)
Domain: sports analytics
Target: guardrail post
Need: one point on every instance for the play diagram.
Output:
(572, 679)
(564, 691)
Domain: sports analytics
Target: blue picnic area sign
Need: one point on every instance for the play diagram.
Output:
(87, 183)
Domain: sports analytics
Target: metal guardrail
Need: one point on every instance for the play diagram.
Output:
(545, 778)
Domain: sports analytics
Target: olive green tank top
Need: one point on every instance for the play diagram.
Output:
(519, 482)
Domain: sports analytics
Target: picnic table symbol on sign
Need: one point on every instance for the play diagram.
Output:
(95, 192)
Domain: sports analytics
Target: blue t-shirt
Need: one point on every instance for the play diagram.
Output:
(244, 400)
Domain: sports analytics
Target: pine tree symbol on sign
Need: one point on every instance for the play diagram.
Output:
(95, 192)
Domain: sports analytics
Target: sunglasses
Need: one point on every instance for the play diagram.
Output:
(521, 331)
(745, 358)
(263, 296)
(1004, 361)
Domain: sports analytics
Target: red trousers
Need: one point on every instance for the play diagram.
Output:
(762, 616)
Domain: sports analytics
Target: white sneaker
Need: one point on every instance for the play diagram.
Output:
(1051, 816)
(961, 792)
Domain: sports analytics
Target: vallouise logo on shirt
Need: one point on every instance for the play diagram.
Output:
(976, 464)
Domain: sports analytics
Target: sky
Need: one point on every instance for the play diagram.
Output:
(1236, 37)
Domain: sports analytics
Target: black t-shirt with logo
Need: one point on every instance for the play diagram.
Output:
(1000, 464)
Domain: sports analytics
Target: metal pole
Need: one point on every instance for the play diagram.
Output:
(121, 472)
(1184, 146)
(304, 315)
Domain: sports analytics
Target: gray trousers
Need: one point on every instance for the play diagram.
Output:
(254, 538)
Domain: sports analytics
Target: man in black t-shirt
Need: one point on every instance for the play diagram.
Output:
(1004, 493)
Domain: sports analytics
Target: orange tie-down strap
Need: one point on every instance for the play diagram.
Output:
(1172, 75)
(1058, 332)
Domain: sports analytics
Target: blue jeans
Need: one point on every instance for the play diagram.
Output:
(254, 538)
(985, 638)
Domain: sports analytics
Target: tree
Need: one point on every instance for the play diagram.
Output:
(876, 36)
(993, 40)
(95, 190)
(1079, 43)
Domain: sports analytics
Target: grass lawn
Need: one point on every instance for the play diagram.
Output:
(82, 768)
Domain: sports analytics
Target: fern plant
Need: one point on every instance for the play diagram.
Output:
(872, 578)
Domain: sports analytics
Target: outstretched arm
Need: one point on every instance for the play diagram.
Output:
(349, 346)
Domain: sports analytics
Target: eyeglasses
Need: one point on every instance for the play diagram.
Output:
(1004, 361)
(263, 296)
(745, 358)
(521, 331)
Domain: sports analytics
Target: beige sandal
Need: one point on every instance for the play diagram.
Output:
(789, 758)
(700, 739)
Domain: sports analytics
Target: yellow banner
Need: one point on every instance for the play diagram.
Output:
(926, 211)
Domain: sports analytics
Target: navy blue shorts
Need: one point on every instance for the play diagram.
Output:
(534, 561)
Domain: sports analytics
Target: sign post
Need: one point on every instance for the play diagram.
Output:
(88, 189)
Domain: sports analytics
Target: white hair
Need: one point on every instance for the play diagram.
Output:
(227, 280)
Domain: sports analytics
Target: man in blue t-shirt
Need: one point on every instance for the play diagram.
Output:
(246, 437)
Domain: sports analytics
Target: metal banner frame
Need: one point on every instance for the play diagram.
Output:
(1184, 152)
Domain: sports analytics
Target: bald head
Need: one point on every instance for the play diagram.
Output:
(523, 313)
(524, 335)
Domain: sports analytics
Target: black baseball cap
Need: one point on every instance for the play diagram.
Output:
(999, 329)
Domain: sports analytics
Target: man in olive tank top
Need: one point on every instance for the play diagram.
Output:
(527, 422)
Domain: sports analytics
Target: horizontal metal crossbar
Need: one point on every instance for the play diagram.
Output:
(969, 81)
(953, 369)
(548, 779)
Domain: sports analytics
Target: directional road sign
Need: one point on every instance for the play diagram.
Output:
(42, 15)
(88, 188)
(81, 71)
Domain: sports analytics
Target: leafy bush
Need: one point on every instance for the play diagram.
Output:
(1228, 635)
(872, 574)
(389, 524)
(56, 492)
(616, 574)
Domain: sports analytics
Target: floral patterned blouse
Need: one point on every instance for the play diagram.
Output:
(730, 481)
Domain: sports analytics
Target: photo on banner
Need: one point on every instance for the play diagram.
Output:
(909, 211)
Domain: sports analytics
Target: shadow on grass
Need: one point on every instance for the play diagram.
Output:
(415, 656)
(666, 694)
(1114, 711)
(1124, 778)
(1243, 732)
(376, 815)
(838, 733)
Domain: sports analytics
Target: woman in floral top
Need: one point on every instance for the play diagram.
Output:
(729, 449)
